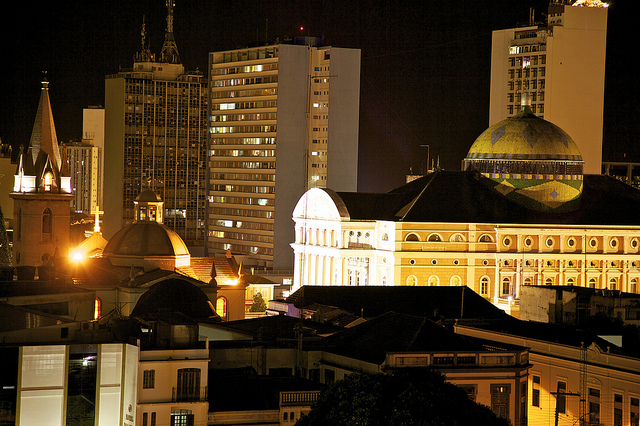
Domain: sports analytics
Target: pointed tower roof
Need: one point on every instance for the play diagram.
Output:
(43, 135)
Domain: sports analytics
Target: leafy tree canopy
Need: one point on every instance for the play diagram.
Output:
(407, 398)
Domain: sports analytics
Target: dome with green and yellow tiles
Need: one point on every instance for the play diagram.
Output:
(530, 161)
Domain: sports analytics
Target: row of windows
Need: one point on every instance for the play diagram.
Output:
(242, 129)
(243, 224)
(527, 73)
(244, 117)
(593, 403)
(266, 177)
(239, 248)
(264, 214)
(242, 141)
(533, 96)
(244, 105)
(242, 165)
(245, 81)
(242, 152)
(244, 69)
(244, 200)
(242, 93)
(242, 236)
(249, 189)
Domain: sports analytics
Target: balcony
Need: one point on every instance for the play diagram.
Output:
(193, 394)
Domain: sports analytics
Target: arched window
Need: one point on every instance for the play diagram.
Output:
(47, 224)
(434, 238)
(484, 285)
(548, 281)
(571, 281)
(633, 285)
(385, 237)
(456, 238)
(506, 286)
(528, 281)
(412, 237)
(412, 280)
(455, 281)
(592, 283)
(48, 180)
(485, 238)
(434, 281)
(221, 307)
(613, 284)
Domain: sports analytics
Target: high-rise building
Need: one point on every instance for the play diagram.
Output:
(85, 168)
(155, 138)
(93, 130)
(560, 66)
(283, 119)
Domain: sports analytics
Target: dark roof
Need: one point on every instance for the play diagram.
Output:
(394, 332)
(174, 295)
(430, 302)
(278, 327)
(457, 196)
(557, 333)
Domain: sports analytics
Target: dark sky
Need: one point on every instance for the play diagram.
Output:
(425, 65)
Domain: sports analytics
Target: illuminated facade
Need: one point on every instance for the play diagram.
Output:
(491, 230)
(76, 384)
(296, 106)
(155, 120)
(84, 160)
(561, 67)
(41, 194)
(607, 378)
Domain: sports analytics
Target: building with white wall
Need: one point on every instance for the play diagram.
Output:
(283, 119)
(561, 66)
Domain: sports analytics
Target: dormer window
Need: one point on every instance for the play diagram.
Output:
(48, 179)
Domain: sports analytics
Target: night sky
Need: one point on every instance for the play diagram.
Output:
(425, 65)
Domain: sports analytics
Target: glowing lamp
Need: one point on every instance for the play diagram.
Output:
(77, 256)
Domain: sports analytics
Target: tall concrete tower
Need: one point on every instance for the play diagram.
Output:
(561, 66)
(155, 138)
(284, 118)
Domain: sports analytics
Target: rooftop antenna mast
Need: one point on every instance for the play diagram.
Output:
(169, 51)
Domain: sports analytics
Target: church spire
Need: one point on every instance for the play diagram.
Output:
(169, 51)
(43, 135)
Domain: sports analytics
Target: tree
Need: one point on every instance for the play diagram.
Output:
(408, 398)
(258, 305)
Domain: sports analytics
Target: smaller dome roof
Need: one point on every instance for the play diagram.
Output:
(146, 239)
(148, 196)
(174, 295)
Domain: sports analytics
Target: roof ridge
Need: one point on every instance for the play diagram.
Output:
(407, 208)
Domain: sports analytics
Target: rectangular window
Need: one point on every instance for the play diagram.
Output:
(594, 405)
(535, 391)
(617, 409)
(149, 379)
(145, 419)
(561, 400)
(634, 411)
(329, 376)
(500, 395)
(471, 391)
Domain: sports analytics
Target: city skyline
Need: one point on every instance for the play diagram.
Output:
(448, 42)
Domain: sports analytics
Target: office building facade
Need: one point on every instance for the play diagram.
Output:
(85, 168)
(155, 138)
(560, 66)
(283, 119)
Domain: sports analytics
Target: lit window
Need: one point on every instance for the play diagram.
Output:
(412, 280)
(96, 308)
(484, 285)
(48, 179)
(221, 307)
